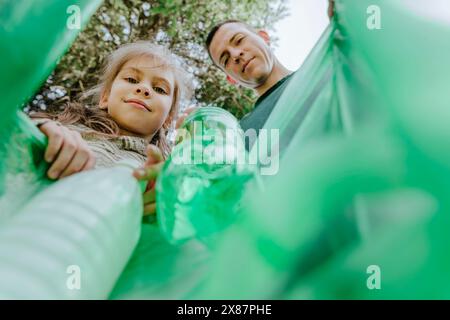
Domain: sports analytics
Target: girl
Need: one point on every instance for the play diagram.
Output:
(134, 104)
(131, 110)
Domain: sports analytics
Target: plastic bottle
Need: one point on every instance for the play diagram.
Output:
(202, 182)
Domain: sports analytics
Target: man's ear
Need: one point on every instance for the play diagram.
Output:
(263, 34)
(231, 81)
(104, 101)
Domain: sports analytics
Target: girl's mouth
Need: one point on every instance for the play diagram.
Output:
(138, 104)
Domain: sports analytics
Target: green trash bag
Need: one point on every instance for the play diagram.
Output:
(358, 209)
(360, 214)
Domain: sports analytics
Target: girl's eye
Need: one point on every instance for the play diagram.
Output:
(240, 40)
(159, 90)
(131, 80)
(226, 62)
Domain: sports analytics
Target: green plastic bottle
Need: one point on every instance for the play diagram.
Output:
(202, 182)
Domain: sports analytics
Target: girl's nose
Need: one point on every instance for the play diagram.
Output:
(143, 90)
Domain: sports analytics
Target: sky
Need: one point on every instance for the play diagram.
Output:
(299, 32)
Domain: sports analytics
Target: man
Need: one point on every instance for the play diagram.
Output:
(246, 58)
(244, 54)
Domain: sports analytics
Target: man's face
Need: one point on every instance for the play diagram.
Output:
(242, 54)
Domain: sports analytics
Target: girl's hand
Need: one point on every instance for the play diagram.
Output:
(67, 152)
(150, 171)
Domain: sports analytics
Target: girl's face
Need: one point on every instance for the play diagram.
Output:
(141, 97)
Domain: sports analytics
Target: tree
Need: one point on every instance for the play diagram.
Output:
(182, 25)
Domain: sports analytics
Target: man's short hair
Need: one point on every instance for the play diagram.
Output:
(214, 30)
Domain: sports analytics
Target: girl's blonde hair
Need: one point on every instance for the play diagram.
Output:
(99, 120)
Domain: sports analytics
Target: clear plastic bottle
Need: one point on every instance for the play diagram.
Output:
(202, 182)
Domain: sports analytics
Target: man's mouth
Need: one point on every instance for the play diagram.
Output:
(246, 64)
(138, 104)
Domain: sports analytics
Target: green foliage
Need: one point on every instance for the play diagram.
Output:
(182, 25)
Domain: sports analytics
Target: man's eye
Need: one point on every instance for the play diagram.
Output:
(131, 80)
(159, 90)
(226, 62)
(240, 40)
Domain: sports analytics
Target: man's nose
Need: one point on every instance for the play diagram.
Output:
(237, 55)
(142, 90)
